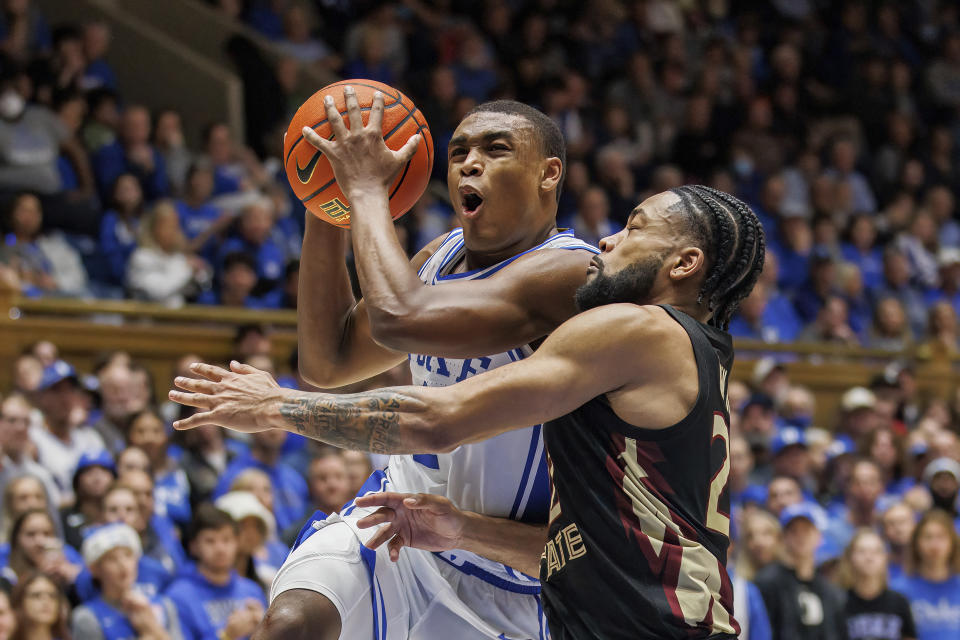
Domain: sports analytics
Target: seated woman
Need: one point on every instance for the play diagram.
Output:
(160, 268)
(120, 610)
(34, 546)
(41, 609)
(120, 505)
(259, 553)
(19, 496)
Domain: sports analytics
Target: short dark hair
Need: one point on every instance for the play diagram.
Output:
(548, 133)
(239, 257)
(209, 518)
(732, 240)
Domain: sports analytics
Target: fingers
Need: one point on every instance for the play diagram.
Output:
(333, 117)
(395, 545)
(198, 400)
(386, 532)
(315, 139)
(239, 367)
(199, 419)
(381, 515)
(409, 148)
(376, 113)
(198, 385)
(381, 499)
(353, 109)
(208, 371)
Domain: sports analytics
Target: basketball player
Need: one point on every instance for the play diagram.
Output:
(635, 389)
(471, 301)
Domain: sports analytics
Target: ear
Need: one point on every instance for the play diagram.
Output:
(687, 263)
(551, 174)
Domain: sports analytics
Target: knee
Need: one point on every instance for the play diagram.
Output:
(300, 614)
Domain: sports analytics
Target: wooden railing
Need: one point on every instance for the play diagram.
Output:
(157, 336)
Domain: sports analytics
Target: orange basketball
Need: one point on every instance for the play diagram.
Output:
(311, 175)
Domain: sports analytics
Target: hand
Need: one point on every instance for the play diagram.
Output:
(142, 155)
(242, 622)
(360, 158)
(244, 399)
(139, 612)
(422, 521)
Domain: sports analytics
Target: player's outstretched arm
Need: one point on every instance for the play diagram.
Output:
(596, 352)
(469, 318)
(434, 523)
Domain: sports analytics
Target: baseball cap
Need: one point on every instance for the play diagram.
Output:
(244, 504)
(764, 367)
(58, 371)
(812, 512)
(754, 493)
(787, 437)
(100, 458)
(758, 399)
(941, 465)
(948, 256)
(858, 398)
(102, 539)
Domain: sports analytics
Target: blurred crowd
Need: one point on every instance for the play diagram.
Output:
(839, 122)
(111, 523)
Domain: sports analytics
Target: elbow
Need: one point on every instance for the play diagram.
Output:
(318, 372)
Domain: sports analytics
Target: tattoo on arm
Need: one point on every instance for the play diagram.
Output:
(371, 421)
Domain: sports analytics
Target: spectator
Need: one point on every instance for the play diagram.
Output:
(253, 238)
(59, 440)
(17, 459)
(872, 610)
(821, 285)
(238, 278)
(235, 168)
(932, 581)
(46, 262)
(172, 489)
(213, 600)
(890, 330)
(297, 41)
(832, 324)
(942, 332)
(132, 154)
(169, 140)
(259, 553)
(112, 552)
(289, 488)
(782, 492)
(861, 249)
(762, 543)
(157, 534)
(92, 478)
(329, 485)
(800, 602)
(896, 284)
(103, 122)
(200, 220)
(592, 221)
(359, 468)
(23, 30)
(843, 158)
(119, 227)
(41, 609)
(160, 269)
(859, 416)
(205, 458)
(942, 477)
(96, 43)
(897, 524)
(8, 620)
(863, 489)
(34, 546)
(791, 455)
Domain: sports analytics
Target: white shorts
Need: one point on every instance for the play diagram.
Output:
(422, 596)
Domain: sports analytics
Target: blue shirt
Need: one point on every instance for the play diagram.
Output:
(935, 606)
(111, 160)
(290, 493)
(271, 300)
(115, 625)
(269, 257)
(118, 239)
(168, 550)
(870, 264)
(152, 579)
(171, 493)
(204, 607)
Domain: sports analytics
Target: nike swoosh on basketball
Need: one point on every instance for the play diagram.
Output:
(305, 173)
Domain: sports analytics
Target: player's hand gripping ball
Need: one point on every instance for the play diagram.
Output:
(359, 156)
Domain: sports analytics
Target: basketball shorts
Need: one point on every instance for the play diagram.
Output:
(422, 596)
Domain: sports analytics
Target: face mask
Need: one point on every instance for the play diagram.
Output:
(11, 104)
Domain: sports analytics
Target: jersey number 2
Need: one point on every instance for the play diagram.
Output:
(716, 519)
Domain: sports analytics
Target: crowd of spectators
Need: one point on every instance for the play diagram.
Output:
(839, 122)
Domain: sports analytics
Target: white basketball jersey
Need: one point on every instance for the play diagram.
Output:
(504, 476)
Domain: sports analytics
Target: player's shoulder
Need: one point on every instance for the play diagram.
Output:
(420, 257)
(622, 331)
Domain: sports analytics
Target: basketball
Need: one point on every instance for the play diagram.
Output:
(311, 175)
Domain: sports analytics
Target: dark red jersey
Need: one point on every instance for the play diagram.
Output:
(639, 518)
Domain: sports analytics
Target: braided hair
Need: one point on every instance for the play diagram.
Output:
(732, 240)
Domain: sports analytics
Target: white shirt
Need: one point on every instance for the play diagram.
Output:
(60, 458)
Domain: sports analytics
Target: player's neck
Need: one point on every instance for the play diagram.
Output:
(474, 260)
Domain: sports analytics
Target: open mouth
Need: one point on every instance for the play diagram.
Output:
(470, 200)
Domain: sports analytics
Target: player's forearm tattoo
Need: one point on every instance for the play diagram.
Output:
(366, 421)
